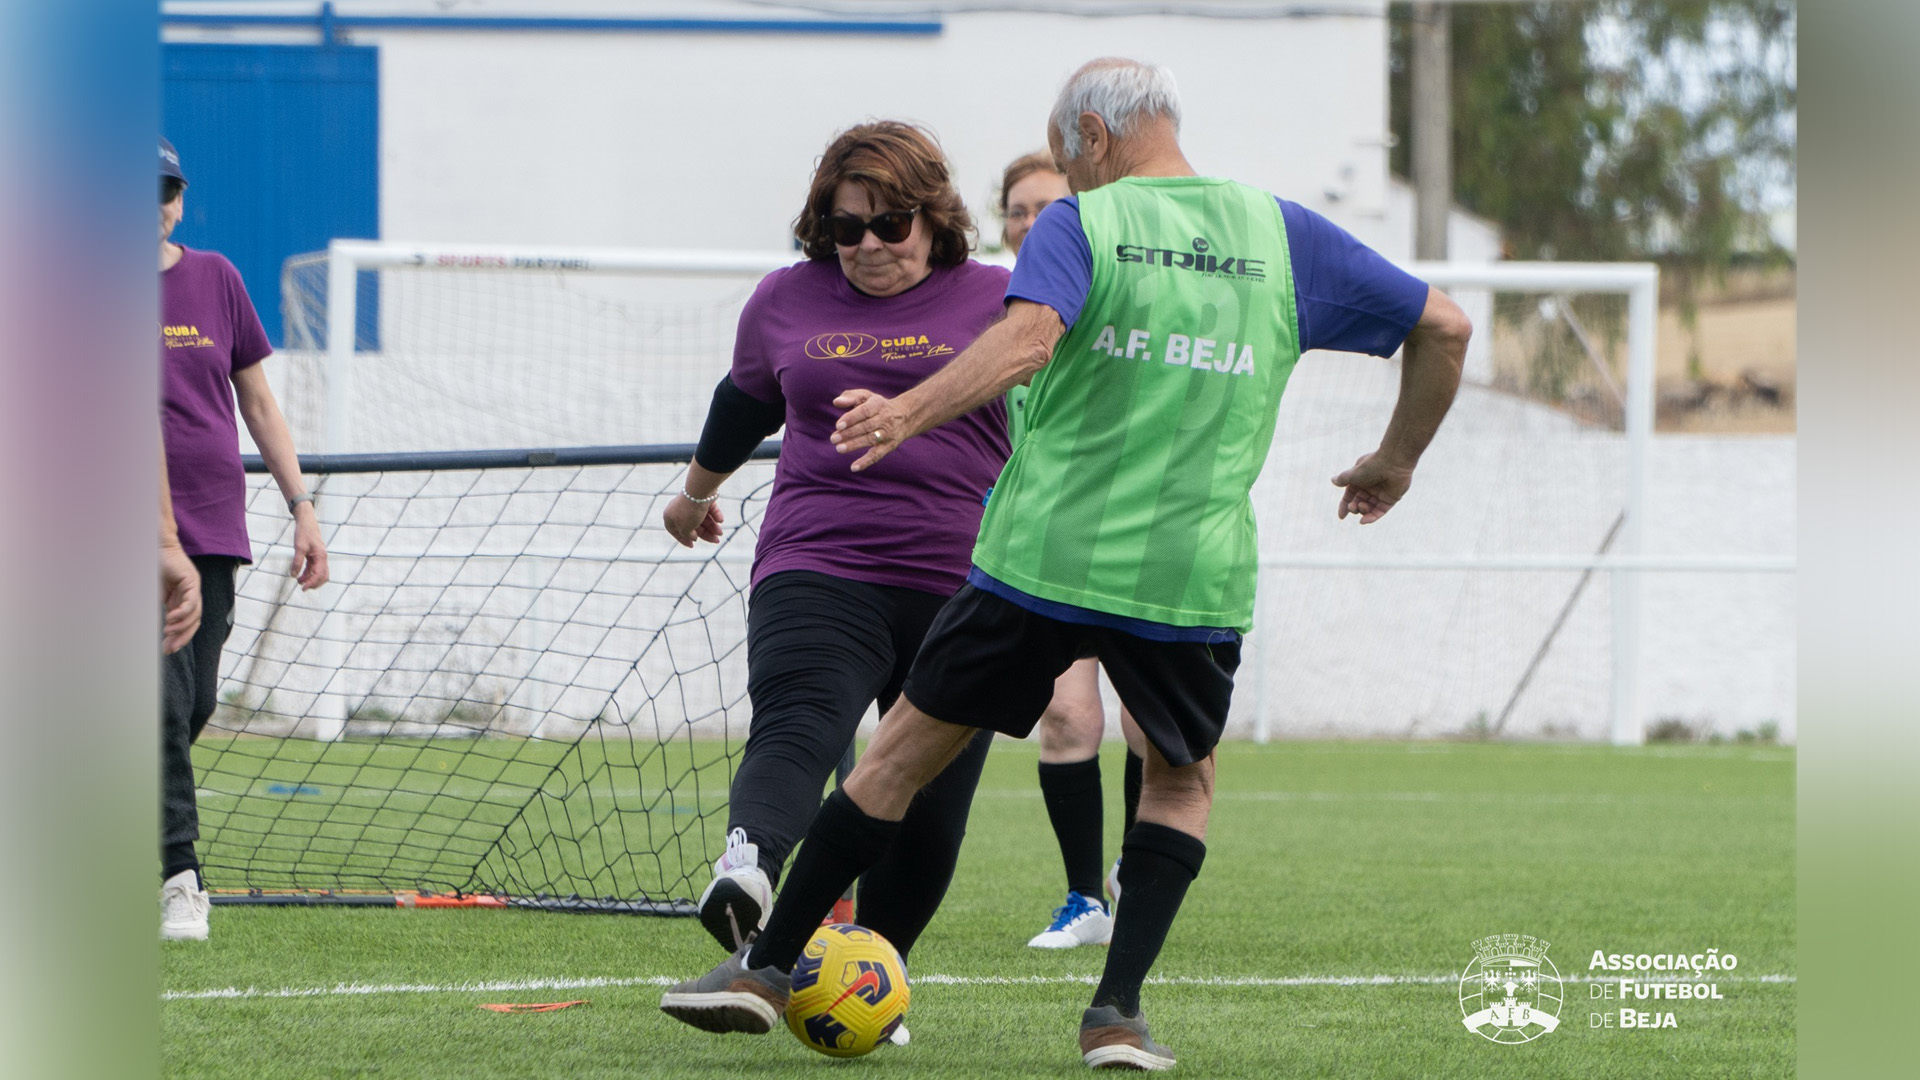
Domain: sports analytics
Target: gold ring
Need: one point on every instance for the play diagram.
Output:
(879, 437)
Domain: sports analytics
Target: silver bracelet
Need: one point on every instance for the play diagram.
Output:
(685, 494)
(303, 497)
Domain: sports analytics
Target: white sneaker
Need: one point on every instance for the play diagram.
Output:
(183, 908)
(735, 904)
(898, 1036)
(1080, 921)
(1113, 882)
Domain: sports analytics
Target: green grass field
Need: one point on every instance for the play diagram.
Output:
(1378, 862)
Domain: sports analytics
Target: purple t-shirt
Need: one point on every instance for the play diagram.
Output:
(208, 333)
(806, 337)
(1348, 297)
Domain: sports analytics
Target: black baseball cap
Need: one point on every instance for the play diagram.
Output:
(170, 161)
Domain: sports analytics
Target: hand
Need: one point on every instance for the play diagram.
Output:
(873, 423)
(309, 553)
(1372, 488)
(179, 599)
(687, 521)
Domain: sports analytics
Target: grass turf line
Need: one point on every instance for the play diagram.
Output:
(1326, 859)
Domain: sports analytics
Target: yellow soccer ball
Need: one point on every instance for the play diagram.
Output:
(849, 991)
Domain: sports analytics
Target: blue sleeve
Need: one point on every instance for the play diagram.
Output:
(1349, 297)
(1056, 262)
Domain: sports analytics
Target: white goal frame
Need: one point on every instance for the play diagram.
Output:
(1625, 564)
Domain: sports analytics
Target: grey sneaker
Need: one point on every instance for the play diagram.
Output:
(1108, 1040)
(731, 997)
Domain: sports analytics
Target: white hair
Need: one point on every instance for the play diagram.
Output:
(1118, 92)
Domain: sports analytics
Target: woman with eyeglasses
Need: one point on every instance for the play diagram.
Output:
(850, 568)
(211, 346)
(1075, 721)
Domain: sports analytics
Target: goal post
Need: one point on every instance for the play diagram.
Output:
(1640, 283)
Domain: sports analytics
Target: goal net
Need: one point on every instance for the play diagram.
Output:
(1556, 571)
(516, 685)
(465, 348)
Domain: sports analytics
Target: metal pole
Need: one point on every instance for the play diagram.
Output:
(1642, 323)
(1431, 82)
(342, 315)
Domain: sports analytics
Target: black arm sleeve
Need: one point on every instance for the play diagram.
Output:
(737, 423)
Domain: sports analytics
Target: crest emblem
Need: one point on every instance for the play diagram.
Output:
(1511, 993)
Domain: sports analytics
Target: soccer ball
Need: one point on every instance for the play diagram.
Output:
(849, 991)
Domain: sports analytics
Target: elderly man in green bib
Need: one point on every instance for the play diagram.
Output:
(1158, 314)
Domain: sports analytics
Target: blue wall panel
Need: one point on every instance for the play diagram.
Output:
(281, 147)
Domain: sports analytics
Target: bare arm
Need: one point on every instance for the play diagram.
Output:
(270, 434)
(687, 520)
(737, 422)
(179, 581)
(1429, 374)
(1007, 354)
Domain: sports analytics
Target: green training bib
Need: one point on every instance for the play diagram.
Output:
(1128, 491)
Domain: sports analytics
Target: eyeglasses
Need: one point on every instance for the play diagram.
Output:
(1022, 212)
(170, 189)
(890, 227)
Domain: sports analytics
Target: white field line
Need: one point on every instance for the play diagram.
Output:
(512, 986)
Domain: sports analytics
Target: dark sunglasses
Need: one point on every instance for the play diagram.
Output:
(891, 227)
(170, 189)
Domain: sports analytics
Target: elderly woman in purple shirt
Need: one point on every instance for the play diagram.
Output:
(850, 570)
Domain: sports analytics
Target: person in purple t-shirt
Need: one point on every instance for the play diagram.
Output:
(211, 345)
(849, 570)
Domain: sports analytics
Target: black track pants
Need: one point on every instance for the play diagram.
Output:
(189, 685)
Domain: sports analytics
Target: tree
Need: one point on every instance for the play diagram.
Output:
(1621, 129)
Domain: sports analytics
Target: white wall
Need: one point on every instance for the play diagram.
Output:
(707, 140)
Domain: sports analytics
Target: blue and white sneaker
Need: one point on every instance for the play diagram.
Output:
(1082, 920)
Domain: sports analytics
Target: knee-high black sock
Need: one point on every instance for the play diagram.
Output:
(1160, 864)
(1072, 792)
(1130, 788)
(842, 842)
(899, 896)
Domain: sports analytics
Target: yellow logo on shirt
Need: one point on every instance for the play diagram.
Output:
(841, 346)
(183, 336)
(906, 346)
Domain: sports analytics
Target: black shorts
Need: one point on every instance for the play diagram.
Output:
(990, 663)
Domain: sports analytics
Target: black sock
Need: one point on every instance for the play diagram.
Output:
(841, 844)
(1072, 792)
(177, 857)
(1161, 863)
(1130, 789)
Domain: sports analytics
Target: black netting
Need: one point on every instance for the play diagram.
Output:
(515, 684)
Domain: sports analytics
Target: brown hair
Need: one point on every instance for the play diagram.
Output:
(1020, 169)
(900, 165)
